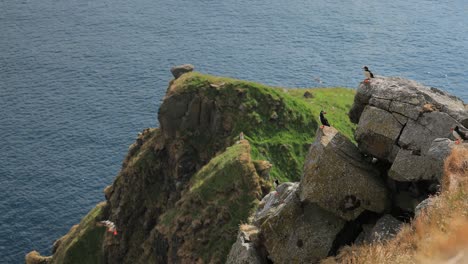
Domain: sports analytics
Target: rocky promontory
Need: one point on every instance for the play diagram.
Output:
(201, 187)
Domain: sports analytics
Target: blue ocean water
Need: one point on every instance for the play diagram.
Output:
(79, 79)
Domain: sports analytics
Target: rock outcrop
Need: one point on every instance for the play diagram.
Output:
(185, 187)
(177, 71)
(397, 121)
(295, 232)
(338, 179)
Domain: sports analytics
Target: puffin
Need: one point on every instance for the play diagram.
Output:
(459, 133)
(276, 183)
(369, 75)
(323, 119)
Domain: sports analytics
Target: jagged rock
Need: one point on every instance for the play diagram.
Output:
(410, 165)
(377, 132)
(244, 250)
(177, 71)
(269, 204)
(294, 232)
(418, 135)
(405, 95)
(397, 121)
(338, 179)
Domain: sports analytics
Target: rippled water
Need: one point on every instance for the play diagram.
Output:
(79, 79)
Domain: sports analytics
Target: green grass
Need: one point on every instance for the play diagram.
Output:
(83, 244)
(226, 186)
(282, 141)
(335, 101)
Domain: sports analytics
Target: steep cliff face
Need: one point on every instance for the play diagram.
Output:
(185, 187)
(199, 118)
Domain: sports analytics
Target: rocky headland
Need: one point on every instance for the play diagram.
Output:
(195, 191)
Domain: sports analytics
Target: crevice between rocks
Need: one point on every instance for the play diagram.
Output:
(351, 231)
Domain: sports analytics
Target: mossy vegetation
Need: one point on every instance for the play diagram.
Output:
(221, 195)
(83, 244)
(279, 123)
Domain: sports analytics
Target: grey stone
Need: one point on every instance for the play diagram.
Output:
(299, 233)
(408, 98)
(244, 250)
(439, 150)
(177, 71)
(377, 132)
(385, 228)
(339, 180)
(410, 167)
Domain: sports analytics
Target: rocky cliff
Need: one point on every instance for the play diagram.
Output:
(185, 187)
(359, 194)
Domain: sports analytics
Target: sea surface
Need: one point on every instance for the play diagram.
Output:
(80, 79)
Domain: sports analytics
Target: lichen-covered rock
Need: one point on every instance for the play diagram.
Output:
(407, 97)
(410, 167)
(294, 232)
(177, 71)
(397, 121)
(377, 132)
(337, 178)
(269, 205)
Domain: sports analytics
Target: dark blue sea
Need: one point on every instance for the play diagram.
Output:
(80, 79)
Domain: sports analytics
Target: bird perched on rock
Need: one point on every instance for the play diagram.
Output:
(369, 75)
(323, 120)
(276, 183)
(460, 134)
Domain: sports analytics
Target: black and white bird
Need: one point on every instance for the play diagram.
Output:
(323, 119)
(460, 134)
(276, 183)
(369, 75)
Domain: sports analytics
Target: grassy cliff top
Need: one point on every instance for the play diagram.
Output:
(279, 123)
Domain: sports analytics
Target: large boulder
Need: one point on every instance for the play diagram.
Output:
(339, 180)
(377, 132)
(294, 232)
(406, 97)
(397, 121)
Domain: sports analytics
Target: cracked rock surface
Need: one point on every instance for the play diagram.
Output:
(398, 119)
